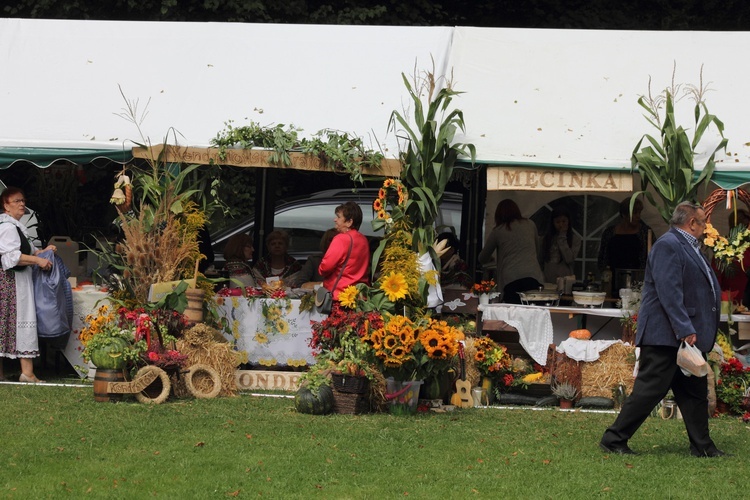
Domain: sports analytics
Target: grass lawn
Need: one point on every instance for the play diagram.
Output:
(58, 443)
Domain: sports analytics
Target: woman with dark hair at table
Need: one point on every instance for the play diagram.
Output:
(237, 253)
(18, 324)
(514, 244)
(560, 247)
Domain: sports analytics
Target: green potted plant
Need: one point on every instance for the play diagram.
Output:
(732, 384)
(314, 395)
(566, 393)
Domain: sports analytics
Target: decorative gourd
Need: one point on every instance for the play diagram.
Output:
(110, 355)
(320, 403)
(581, 334)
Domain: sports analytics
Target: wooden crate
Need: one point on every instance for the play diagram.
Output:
(536, 390)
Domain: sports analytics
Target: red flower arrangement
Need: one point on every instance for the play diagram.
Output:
(155, 329)
(326, 334)
(733, 381)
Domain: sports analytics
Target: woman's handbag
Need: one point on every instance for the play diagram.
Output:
(323, 296)
(323, 300)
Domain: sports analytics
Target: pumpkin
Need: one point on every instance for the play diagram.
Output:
(581, 334)
(110, 355)
(314, 403)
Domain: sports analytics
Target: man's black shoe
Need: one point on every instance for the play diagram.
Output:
(620, 450)
(710, 453)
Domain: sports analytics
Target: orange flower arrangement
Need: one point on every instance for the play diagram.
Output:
(485, 286)
(414, 351)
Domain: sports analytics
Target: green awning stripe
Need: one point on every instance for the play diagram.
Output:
(44, 157)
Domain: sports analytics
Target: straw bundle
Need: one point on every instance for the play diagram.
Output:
(567, 370)
(205, 345)
(614, 367)
(473, 374)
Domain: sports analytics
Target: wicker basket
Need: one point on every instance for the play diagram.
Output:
(353, 385)
(347, 403)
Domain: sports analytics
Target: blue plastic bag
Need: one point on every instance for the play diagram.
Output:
(53, 298)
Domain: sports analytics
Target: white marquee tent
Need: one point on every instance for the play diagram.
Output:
(563, 99)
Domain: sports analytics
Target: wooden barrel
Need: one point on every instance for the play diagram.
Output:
(104, 377)
(194, 309)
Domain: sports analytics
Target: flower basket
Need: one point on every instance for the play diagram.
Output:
(403, 396)
(348, 403)
(350, 384)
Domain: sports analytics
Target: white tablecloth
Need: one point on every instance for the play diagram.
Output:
(533, 324)
(273, 332)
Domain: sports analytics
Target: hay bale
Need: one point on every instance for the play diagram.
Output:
(614, 367)
(205, 345)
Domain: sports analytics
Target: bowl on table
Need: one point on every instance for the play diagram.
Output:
(589, 299)
(549, 298)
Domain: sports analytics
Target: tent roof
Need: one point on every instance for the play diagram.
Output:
(560, 98)
(569, 98)
(62, 79)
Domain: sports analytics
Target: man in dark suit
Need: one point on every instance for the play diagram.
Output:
(680, 302)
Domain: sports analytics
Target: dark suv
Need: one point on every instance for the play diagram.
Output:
(305, 219)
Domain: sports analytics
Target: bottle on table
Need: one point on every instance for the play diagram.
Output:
(607, 281)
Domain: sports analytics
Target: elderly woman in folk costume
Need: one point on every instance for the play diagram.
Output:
(18, 331)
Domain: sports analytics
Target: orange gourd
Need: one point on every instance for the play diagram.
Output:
(581, 334)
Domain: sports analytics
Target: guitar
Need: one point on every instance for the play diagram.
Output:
(462, 396)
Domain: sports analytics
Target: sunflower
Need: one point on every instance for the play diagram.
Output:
(381, 194)
(438, 352)
(399, 353)
(430, 339)
(387, 183)
(382, 214)
(376, 339)
(479, 356)
(392, 362)
(390, 341)
(282, 326)
(261, 338)
(348, 297)
(395, 287)
(377, 205)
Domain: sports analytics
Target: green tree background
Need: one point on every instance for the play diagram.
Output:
(727, 15)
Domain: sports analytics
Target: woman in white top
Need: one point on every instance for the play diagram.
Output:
(18, 332)
(514, 243)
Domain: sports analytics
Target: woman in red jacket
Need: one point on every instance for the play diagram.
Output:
(347, 259)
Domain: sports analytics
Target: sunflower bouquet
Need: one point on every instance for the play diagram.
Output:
(400, 284)
(409, 350)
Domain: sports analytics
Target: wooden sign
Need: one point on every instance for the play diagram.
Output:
(251, 158)
(546, 179)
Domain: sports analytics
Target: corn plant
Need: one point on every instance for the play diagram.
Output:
(668, 164)
(430, 155)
